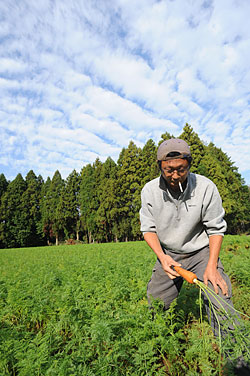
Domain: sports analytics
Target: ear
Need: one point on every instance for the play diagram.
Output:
(189, 159)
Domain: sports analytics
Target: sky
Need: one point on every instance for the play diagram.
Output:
(80, 79)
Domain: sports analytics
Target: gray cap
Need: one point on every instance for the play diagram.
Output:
(173, 145)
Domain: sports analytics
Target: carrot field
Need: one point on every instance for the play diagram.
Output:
(82, 310)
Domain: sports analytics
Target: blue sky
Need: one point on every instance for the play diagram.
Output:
(80, 79)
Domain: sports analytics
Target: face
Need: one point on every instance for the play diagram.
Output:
(175, 171)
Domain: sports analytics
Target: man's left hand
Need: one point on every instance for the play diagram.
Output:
(212, 274)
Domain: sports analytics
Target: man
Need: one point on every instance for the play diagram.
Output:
(182, 221)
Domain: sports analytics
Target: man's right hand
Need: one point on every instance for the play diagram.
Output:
(167, 262)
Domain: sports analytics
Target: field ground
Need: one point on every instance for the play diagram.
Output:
(82, 310)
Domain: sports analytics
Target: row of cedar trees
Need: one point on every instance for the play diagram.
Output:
(101, 204)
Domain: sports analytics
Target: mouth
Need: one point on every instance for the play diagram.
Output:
(174, 182)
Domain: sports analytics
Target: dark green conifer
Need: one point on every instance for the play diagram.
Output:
(87, 201)
(235, 195)
(68, 209)
(45, 227)
(106, 214)
(128, 192)
(196, 146)
(148, 164)
(51, 218)
(31, 200)
(14, 231)
(3, 184)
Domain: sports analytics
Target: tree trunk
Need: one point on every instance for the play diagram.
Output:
(77, 235)
(57, 240)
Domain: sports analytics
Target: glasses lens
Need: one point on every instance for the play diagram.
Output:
(178, 170)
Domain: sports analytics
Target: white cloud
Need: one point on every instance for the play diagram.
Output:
(80, 79)
(11, 66)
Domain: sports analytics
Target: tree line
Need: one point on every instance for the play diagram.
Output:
(102, 202)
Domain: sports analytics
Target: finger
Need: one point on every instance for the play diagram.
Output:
(173, 271)
(174, 263)
(222, 284)
(216, 290)
(205, 280)
(176, 274)
(170, 275)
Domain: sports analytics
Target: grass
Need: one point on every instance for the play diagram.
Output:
(82, 310)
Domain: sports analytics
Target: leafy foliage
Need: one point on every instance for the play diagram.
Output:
(3, 184)
(196, 145)
(68, 209)
(128, 191)
(14, 230)
(82, 310)
(51, 216)
(101, 204)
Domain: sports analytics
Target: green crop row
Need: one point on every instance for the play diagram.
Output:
(82, 310)
(236, 260)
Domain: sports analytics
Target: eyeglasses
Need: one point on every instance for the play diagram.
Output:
(180, 170)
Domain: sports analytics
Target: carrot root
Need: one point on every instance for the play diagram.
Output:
(188, 276)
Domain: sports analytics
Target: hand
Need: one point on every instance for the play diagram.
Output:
(212, 274)
(167, 262)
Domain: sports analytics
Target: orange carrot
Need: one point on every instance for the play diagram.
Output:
(188, 276)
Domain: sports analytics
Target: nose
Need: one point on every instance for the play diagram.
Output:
(175, 175)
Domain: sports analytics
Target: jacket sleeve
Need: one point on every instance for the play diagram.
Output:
(213, 212)
(146, 212)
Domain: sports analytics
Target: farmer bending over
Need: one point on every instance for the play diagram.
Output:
(182, 221)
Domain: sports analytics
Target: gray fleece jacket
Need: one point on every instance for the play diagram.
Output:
(183, 225)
